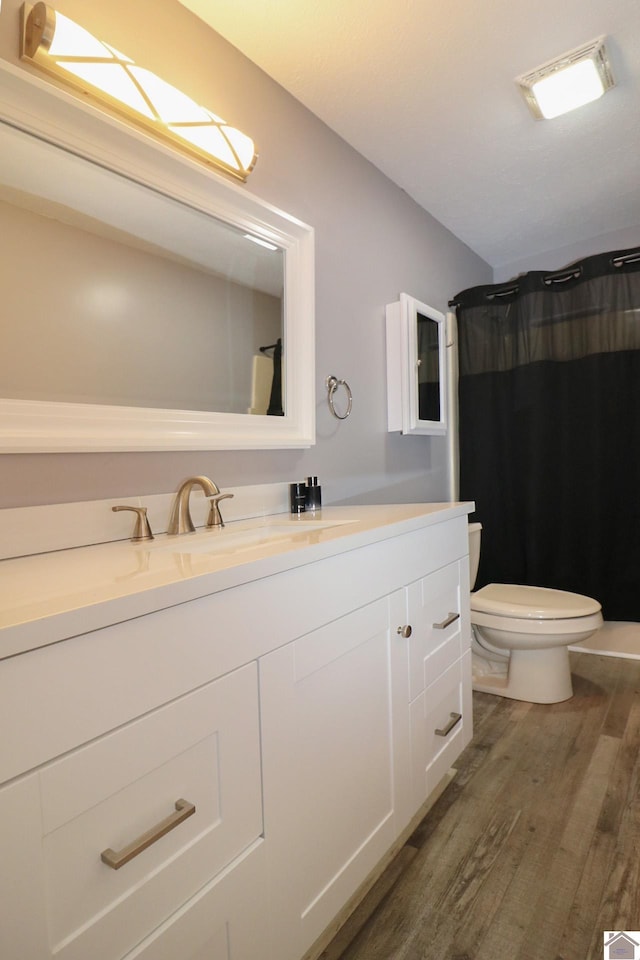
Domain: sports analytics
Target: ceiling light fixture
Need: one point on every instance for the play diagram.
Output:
(67, 51)
(568, 82)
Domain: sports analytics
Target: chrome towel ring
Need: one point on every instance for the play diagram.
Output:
(332, 383)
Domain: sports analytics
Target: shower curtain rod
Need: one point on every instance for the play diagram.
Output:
(597, 265)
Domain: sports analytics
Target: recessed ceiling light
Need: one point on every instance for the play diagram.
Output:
(569, 81)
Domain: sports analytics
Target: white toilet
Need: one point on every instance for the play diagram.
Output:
(521, 635)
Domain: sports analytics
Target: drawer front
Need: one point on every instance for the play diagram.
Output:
(204, 749)
(226, 920)
(441, 726)
(436, 614)
(23, 925)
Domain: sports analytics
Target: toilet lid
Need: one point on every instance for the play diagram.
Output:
(533, 603)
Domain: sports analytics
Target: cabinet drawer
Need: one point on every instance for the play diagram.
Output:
(435, 613)
(441, 726)
(23, 925)
(203, 748)
(226, 920)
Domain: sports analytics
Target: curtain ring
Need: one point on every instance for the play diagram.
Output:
(332, 383)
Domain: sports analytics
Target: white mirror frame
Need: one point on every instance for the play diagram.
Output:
(41, 109)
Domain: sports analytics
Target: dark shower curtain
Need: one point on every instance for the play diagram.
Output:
(549, 400)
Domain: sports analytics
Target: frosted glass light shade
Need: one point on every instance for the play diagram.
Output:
(66, 50)
(171, 105)
(567, 89)
(111, 80)
(570, 81)
(71, 40)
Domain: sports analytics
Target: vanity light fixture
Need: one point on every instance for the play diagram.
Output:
(70, 53)
(569, 81)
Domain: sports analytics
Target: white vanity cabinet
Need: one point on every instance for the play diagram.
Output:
(348, 759)
(333, 728)
(117, 797)
(437, 614)
(293, 711)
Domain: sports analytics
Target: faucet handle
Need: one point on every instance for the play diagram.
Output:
(142, 530)
(215, 517)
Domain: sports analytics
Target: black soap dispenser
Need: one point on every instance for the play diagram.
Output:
(297, 497)
(313, 494)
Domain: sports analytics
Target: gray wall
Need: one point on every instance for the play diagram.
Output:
(372, 242)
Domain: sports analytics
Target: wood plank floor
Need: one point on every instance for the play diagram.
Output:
(534, 850)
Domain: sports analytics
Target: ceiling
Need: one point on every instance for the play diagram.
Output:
(425, 90)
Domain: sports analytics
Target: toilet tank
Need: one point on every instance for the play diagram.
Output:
(475, 533)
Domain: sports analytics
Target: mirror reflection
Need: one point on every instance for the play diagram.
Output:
(428, 367)
(115, 294)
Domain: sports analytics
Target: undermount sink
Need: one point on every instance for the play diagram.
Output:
(229, 540)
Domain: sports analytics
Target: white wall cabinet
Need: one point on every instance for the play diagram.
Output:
(416, 368)
(294, 712)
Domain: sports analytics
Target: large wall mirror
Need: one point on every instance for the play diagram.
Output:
(148, 304)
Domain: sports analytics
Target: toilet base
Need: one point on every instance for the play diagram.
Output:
(535, 676)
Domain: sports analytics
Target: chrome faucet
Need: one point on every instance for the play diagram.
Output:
(180, 520)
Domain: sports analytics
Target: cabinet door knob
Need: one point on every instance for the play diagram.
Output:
(448, 620)
(116, 859)
(405, 631)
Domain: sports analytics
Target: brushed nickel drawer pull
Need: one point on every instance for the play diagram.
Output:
(445, 731)
(445, 623)
(118, 858)
(405, 631)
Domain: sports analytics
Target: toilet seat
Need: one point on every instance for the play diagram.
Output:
(531, 603)
(536, 611)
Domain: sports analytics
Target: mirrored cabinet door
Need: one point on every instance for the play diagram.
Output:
(416, 367)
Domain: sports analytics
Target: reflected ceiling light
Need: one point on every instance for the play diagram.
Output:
(569, 81)
(260, 241)
(66, 50)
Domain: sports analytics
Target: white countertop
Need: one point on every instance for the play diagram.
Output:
(53, 596)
